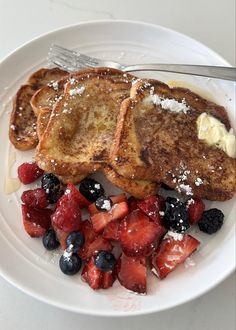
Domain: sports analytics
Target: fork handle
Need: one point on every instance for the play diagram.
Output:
(221, 72)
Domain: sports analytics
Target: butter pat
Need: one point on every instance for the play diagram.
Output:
(214, 132)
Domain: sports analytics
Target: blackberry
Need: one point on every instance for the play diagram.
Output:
(211, 221)
(176, 215)
(103, 203)
(91, 189)
(52, 186)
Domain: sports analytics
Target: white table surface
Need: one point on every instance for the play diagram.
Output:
(209, 21)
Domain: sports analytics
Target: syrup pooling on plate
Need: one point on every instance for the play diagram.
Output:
(11, 184)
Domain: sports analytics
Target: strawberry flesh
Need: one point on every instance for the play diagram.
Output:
(97, 245)
(101, 219)
(195, 209)
(151, 206)
(111, 231)
(72, 194)
(132, 273)
(89, 236)
(92, 275)
(96, 278)
(29, 172)
(35, 198)
(173, 252)
(67, 215)
(133, 203)
(108, 279)
(36, 222)
(61, 237)
(139, 236)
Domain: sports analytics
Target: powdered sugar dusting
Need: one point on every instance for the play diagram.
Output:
(77, 91)
(175, 236)
(106, 205)
(166, 103)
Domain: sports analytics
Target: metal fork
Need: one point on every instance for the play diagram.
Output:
(74, 61)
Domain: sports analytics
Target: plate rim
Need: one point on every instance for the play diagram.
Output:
(85, 311)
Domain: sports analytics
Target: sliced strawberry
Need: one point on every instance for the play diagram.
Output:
(72, 193)
(119, 198)
(29, 172)
(97, 245)
(89, 236)
(92, 275)
(139, 236)
(67, 215)
(195, 207)
(101, 219)
(96, 278)
(151, 206)
(35, 198)
(111, 231)
(132, 273)
(67, 218)
(132, 201)
(36, 222)
(61, 236)
(173, 252)
(108, 279)
(115, 200)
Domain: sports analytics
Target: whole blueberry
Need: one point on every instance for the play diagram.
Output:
(50, 241)
(105, 261)
(76, 238)
(103, 203)
(91, 189)
(70, 265)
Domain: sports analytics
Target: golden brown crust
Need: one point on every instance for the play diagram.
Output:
(22, 128)
(137, 188)
(156, 144)
(44, 76)
(72, 179)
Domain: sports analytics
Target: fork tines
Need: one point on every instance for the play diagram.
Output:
(69, 59)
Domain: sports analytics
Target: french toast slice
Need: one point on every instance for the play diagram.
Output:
(78, 136)
(22, 128)
(154, 143)
(82, 123)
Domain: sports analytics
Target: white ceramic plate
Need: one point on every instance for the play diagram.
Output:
(24, 261)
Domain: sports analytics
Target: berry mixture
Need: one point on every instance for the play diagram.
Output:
(121, 238)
